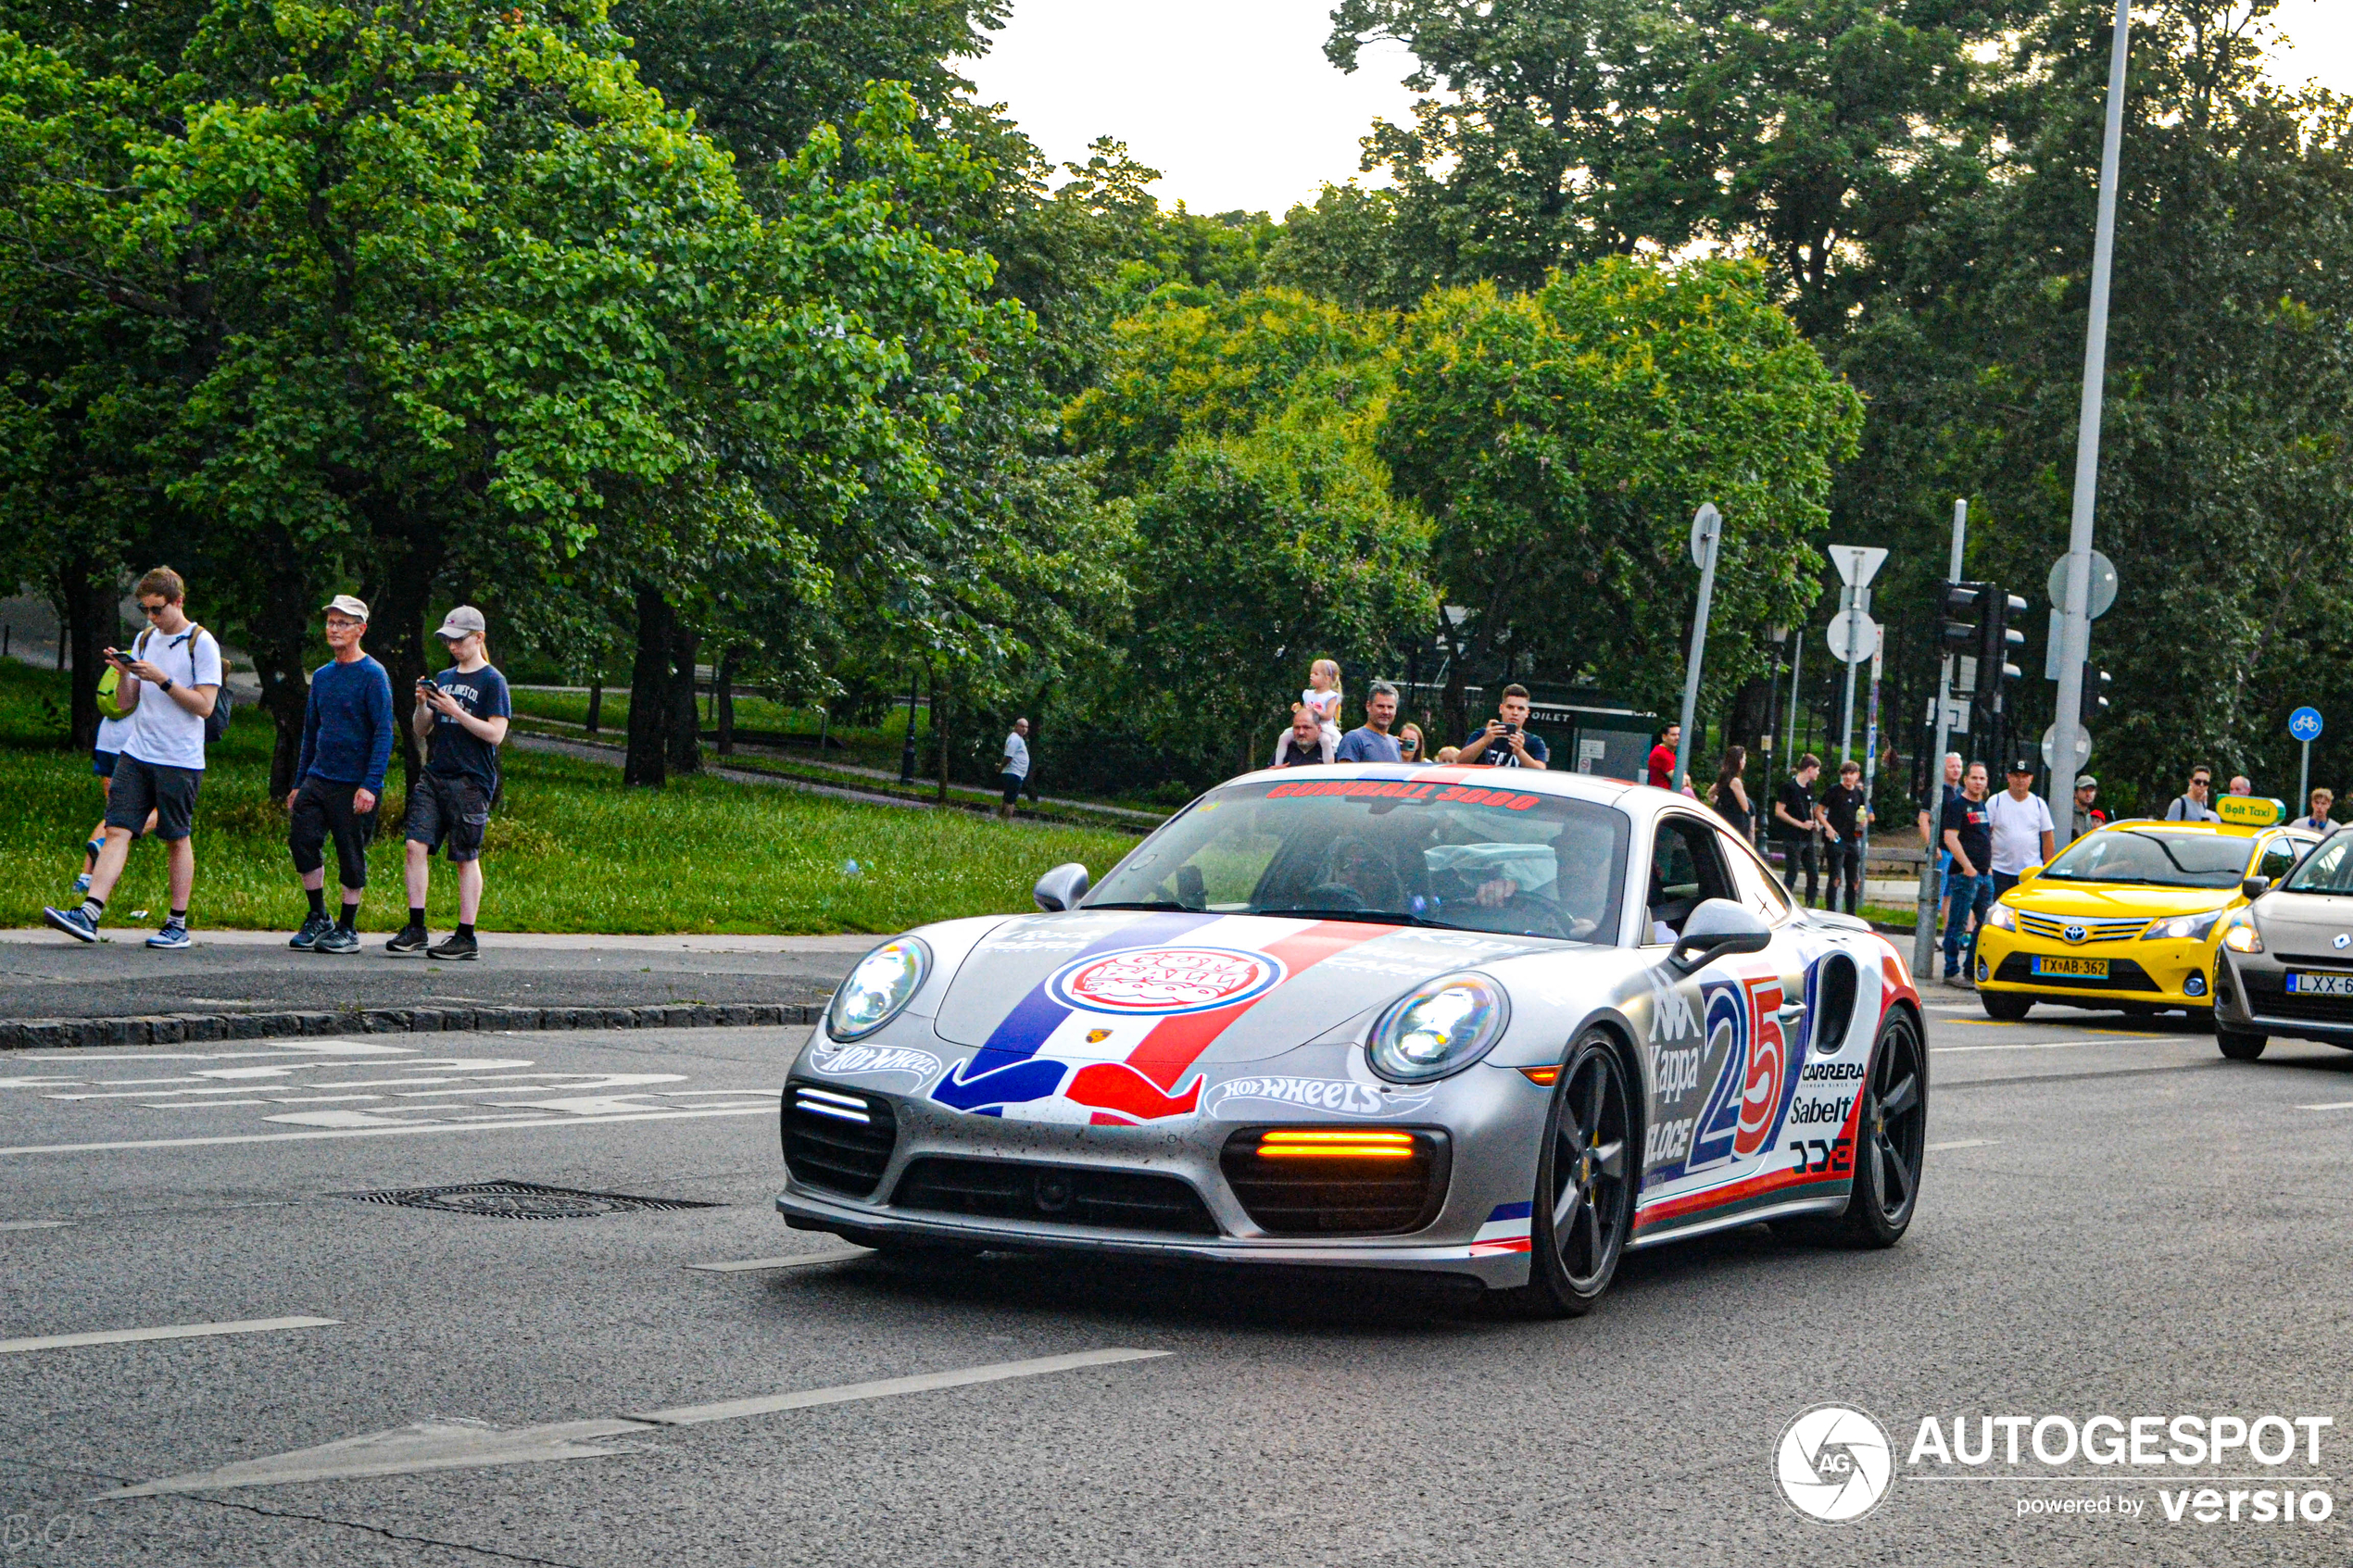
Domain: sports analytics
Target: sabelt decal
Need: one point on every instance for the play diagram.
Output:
(875, 1061)
(1163, 981)
(1339, 1095)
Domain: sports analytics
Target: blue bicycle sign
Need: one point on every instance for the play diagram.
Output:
(2304, 725)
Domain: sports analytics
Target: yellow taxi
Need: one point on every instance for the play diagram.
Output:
(2127, 916)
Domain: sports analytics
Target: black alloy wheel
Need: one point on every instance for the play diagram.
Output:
(1893, 1138)
(2007, 1006)
(1585, 1177)
(2240, 1045)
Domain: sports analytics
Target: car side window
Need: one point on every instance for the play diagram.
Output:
(2278, 858)
(1687, 869)
(1759, 888)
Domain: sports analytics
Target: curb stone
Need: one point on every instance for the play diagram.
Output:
(184, 1028)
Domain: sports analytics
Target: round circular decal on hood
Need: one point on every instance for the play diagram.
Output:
(1165, 980)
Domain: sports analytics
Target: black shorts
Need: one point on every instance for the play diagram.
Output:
(141, 787)
(443, 811)
(101, 762)
(1010, 785)
(323, 807)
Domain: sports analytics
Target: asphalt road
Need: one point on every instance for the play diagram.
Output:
(44, 974)
(2118, 1222)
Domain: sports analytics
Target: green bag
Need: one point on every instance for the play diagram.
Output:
(109, 683)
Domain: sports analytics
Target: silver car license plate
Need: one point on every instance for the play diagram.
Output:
(2302, 985)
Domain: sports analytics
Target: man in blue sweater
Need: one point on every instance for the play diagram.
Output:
(347, 741)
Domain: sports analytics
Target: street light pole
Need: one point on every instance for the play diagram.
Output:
(2075, 625)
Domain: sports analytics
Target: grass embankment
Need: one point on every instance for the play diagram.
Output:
(570, 849)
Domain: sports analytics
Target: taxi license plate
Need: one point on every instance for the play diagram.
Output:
(2303, 984)
(2093, 969)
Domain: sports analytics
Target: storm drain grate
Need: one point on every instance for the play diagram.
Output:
(522, 1200)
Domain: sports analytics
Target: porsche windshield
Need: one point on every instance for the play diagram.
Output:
(2328, 870)
(1396, 851)
(2153, 859)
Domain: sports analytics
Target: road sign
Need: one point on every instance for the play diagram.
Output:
(1957, 715)
(1866, 639)
(2103, 585)
(1707, 527)
(1857, 564)
(2304, 724)
(2082, 752)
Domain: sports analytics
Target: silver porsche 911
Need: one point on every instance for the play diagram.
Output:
(1496, 1023)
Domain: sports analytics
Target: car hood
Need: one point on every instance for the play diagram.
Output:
(2116, 900)
(1158, 989)
(2311, 921)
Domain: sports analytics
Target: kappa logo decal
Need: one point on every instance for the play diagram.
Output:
(1159, 982)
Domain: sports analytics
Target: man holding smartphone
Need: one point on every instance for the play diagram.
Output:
(170, 683)
(461, 716)
(1505, 741)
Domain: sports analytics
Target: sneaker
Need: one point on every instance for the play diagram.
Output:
(313, 928)
(96, 847)
(174, 936)
(73, 922)
(1960, 982)
(452, 947)
(412, 939)
(338, 940)
(81, 882)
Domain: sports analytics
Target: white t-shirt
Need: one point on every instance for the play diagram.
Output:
(112, 733)
(1016, 756)
(1326, 704)
(2018, 826)
(163, 734)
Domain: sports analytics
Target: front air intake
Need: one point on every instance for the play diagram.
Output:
(839, 1139)
(1329, 1180)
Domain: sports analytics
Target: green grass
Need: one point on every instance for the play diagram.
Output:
(571, 849)
(877, 746)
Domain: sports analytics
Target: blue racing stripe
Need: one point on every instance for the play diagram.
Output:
(1036, 1015)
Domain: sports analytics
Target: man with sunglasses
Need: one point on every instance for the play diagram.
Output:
(2191, 806)
(170, 683)
(461, 715)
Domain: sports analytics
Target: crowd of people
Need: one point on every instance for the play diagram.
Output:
(166, 704)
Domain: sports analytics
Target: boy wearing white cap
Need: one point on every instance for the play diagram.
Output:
(461, 715)
(347, 741)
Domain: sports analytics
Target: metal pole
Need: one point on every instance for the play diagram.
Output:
(2304, 781)
(1871, 775)
(2075, 625)
(1712, 533)
(1854, 634)
(907, 754)
(1796, 658)
(1924, 916)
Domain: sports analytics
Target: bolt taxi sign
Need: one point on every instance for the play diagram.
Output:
(1161, 981)
(2250, 810)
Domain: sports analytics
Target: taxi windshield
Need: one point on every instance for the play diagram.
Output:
(2153, 859)
(2329, 870)
(1402, 852)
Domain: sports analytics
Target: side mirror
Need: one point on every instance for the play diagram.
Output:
(1717, 928)
(1060, 888)
(2255, 886)
(2031, 872)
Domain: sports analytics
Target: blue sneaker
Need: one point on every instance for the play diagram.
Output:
(73, 922)
(173, 934)
(81, 882)
(96, 847)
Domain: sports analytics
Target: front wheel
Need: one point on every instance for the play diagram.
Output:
(2003, 1005)
(1893, 1138)
(2239, 1044)
(1584, 1201)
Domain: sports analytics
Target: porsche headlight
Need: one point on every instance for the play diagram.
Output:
(1441, 1027)
(2002, 918)
(885, 982)
(2240, 935)
(2183, 927)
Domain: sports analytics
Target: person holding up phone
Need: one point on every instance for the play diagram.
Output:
(461, 715)
(1503, 741)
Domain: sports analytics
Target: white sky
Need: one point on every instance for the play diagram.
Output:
(1234, 101)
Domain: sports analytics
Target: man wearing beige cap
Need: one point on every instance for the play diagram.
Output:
(461, 716)
(347, 741)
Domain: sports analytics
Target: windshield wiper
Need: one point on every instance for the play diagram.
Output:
(1146, 904)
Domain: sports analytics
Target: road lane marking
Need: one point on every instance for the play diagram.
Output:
(177, 1331)
(2329, 1105)
(458, 1445)
(274, 1052)
(391, 1132)
(2009, 1046)
(801, 1261)
(1951, 1084)
(1962, 1143)
(33, 1224)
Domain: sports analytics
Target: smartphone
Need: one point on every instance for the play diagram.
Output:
(117, 657)
(1511, 729)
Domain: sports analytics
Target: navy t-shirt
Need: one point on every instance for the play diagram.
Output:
(1974, 824)
(1498, 753)
(458, 753)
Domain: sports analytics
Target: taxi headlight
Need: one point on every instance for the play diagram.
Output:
(2240, 936)
(2191, 928)
(2002, 918)
(1439, 1028)
(883, 982)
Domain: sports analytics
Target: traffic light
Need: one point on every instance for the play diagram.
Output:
(1997, 640)
(2095, 681)
(1956, 608)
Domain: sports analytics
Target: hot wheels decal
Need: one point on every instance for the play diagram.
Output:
(875, 1061)
(1248, 1097)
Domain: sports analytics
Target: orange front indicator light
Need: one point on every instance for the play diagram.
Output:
(1336, 1144)
(1542, 1077)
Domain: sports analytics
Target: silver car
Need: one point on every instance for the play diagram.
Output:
(2286, 958)
(1494, 1023)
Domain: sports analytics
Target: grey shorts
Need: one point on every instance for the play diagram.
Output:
(141, 787)
(448, 813)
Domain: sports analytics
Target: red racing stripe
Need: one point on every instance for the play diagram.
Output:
(1176, 1043)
